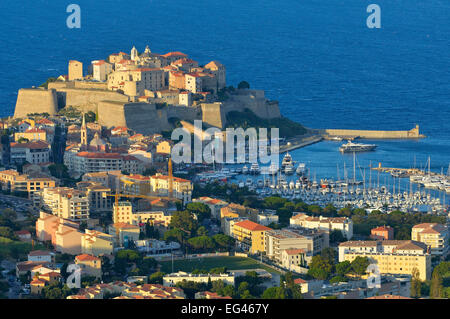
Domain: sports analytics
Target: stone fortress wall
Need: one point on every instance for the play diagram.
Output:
(141, 117)
(116, 109)
(36, 100)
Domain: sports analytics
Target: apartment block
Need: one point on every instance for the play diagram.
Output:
(250, 235)
(90, 265)
(311, 241)
(397, 257)
(344, 224)
(435, 236)
(64, 202)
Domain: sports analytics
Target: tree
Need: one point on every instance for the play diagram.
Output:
(202, 231)
(293, 291)
(338, 279)
(201, 242)
(320, 267)
(436, 288)
(223, 241)
(336, 236)
(156, 278)
(329, 254)
(90, 117)
(346, 212)
(7, 232)
(184, 220)
(106, 266)
(360, 264)
(243, 85)
(329, 210)
(416, 283)
(343, 268)
(175, 234)
(274, 293)
(201, 210)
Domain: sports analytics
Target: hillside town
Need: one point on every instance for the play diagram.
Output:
(80, 192)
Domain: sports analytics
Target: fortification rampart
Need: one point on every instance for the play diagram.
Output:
(255, 101)
(213, 114)
(87, 99)
(144, 118)
(36, 101)
(184, 112)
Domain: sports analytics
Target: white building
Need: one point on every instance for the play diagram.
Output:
(88, 162)
(64, 202)
(182, 188)
(32, 152)
(344, 224)
(174, 278)
(214, 205)
(266, 218)
(100, 70)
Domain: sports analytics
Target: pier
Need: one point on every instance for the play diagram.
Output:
(299, 142)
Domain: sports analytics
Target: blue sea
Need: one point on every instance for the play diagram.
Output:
(317, 58)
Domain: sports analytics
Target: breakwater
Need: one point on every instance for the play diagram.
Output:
(373, 134)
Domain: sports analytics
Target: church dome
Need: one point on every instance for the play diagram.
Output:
(97, 141)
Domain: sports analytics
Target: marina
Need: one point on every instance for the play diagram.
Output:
(354, 183)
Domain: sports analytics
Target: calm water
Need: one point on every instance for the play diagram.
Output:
(318, 58)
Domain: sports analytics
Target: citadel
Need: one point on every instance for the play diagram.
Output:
(146, 92)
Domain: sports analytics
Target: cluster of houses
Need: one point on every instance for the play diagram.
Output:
(171, 78)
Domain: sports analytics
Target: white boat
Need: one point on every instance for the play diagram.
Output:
(356, 147)
(301, 169)
(245, 169)
(289, 169)
(260, 183)
(254, 169)
(248, 182)
(287, 160)
(273, 169)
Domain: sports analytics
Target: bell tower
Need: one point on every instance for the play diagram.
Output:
(84, 132)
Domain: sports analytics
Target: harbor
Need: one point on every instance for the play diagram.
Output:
(340, 178)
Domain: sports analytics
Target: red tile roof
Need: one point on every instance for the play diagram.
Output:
(173, 54)
(86, 257)
(247, 224)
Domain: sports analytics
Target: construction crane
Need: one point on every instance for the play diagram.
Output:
(170, 174)
(117, 195)
(169, 197)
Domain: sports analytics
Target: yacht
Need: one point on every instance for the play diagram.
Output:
(273, 169)
(245, 169)
(301, 169)
(260, 183)
(254, 169)
(289, 169)
(287, 160)
(356, 147)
